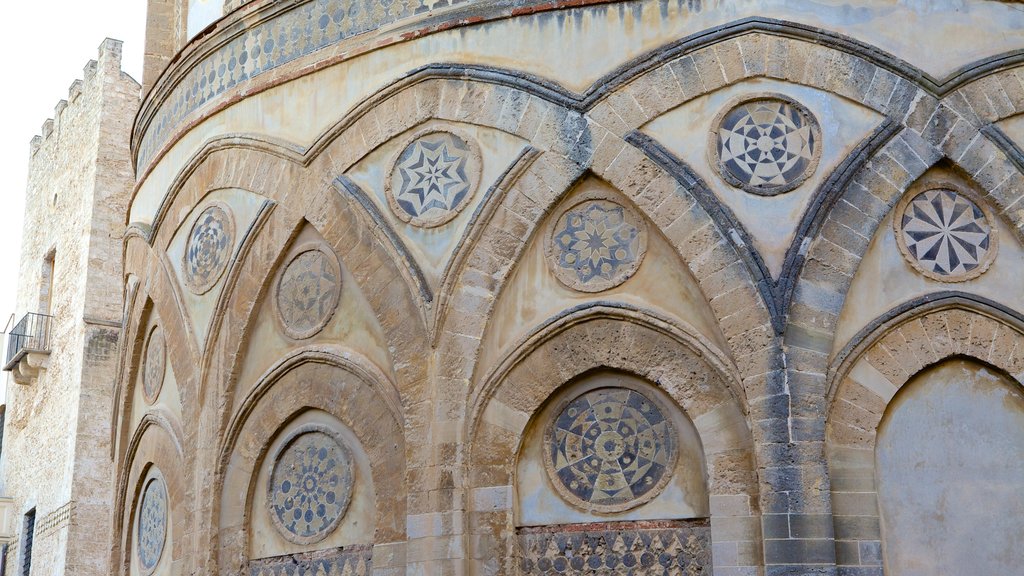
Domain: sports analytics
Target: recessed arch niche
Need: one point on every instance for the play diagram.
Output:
(610, 446)
(949, 461)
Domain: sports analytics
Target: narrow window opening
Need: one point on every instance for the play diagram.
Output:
(28, 535)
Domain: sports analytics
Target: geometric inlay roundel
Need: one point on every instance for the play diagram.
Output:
(610, 449)
(767, 145)
(154, 367)
(310, 485)
(433, 179)
(152, 524)
(944, 235)
(308, 292)
(208, 249)
(596, 245)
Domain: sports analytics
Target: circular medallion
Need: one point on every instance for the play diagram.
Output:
(433, 178)
(308, 292)
(596, 244)
(610, 449)
(208, 249)
(310, 485)
(155, 365)
(152, 524)
(944, 234)
(766, 145)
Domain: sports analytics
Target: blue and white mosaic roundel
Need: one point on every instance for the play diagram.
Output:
(433, 179)
(610, 449)
(767, 146)
(596, 245)
(152, 523)
(208, 249)
(310, 486)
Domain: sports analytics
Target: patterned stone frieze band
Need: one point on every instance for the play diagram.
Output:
(292, 34)
(433, 178)
(944, 234)
(308, 292)
(152, 531)
(351, 560)
(310, 485)
(618, 548)
(766, 145)
(208, 248)
(610, 449)
(596, 244)
(155, 365)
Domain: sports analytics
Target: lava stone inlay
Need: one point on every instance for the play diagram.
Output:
(610, 449)
(152, 523)
(766, 146)
(310, 485)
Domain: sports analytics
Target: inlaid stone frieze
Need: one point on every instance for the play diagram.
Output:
(944, 234)
(351, 560)
(766, 145)
(310, 485)
(680, 548)
(596, 244)
(154, 366)
(433, 178)
(152, 530)
(208, 248)
(308, 292)
(610, 449)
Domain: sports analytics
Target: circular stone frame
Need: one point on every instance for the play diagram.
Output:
(716, 160)
(323, 322)
(154, 475)
(474, 167)
(588, 507)
(146, 374)
(345, 500)
(957, 188)
(198, 288)
(568, 276)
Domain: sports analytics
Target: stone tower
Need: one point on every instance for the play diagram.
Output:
(62, 355)
(531, 287)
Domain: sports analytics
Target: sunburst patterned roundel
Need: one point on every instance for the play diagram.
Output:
(610, 449)
(310, 485)
(945, 235)
(766, 146)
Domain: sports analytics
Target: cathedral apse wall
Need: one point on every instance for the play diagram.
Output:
(539, 288)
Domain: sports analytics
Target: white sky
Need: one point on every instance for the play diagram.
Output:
(49, 44)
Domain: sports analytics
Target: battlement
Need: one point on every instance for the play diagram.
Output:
(94, 75)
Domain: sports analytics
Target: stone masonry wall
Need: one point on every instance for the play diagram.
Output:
(55, 458)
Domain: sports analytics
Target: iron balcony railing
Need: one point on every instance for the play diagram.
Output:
(30, 334)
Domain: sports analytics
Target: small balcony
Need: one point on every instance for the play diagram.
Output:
(28, 347)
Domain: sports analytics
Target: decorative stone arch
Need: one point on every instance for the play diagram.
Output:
(870, 371)
(834, 255)
(156, 442)
(341, 384)
(634, 343)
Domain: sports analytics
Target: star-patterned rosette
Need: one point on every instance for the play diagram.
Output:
(208, 248)
(433, 178)
(610, 450)
(596, 244)
(310, 485)
(944, 234)
(308, 292)
(152, 524)
(766, 145)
